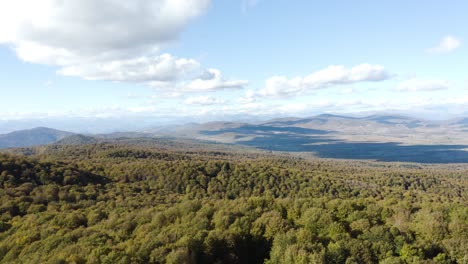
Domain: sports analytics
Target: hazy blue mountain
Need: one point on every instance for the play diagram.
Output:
(32, 137)
(462, 122)
(379, 137)
(388, 137)
(394, 127)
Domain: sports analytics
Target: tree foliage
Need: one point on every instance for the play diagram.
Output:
(106, 203)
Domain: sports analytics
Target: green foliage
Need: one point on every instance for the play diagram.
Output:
(104, 203)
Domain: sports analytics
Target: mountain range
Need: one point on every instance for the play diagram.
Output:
(378, 128)
(375, 137)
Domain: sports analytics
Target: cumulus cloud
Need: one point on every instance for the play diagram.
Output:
(248, 98)
(416, 85)
(211, 80)
(163, 68)
(347, 91)
(446, 45)
(67, 32)
(280, 86)
(204, 100)
(110, 40)
(208, 81)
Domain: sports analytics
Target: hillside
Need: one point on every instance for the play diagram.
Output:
(32, 137)
(76, 140)
(134, 203)
(18, 171)
(377, 137)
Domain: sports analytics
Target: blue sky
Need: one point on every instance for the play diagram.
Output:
(232, 58)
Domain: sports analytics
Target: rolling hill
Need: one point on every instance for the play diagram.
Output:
(32, 137)
(375, 137)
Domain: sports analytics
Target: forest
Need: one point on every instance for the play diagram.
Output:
(128, 202)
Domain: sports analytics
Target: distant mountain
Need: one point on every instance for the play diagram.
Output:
(462, 122)
(346, 124)
(32, 137)
(388, 137)
(375, 137)
(375, 128)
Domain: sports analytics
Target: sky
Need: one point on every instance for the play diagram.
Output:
(231, 59)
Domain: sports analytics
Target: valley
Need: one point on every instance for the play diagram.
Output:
(379, 138)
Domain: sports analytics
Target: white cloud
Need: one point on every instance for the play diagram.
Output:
(211, 80)
(430, 106)
(280, 86)
(446, 45)
(67, 32)
(415, 85)
(109, 40)
(208, 81)
(348, 91)
(73, 31)
(249, 97)
(204, 100)
(163, 68)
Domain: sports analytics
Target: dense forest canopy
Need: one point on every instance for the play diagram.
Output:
(165, 203)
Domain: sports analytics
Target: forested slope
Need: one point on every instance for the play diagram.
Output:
(122, 203)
